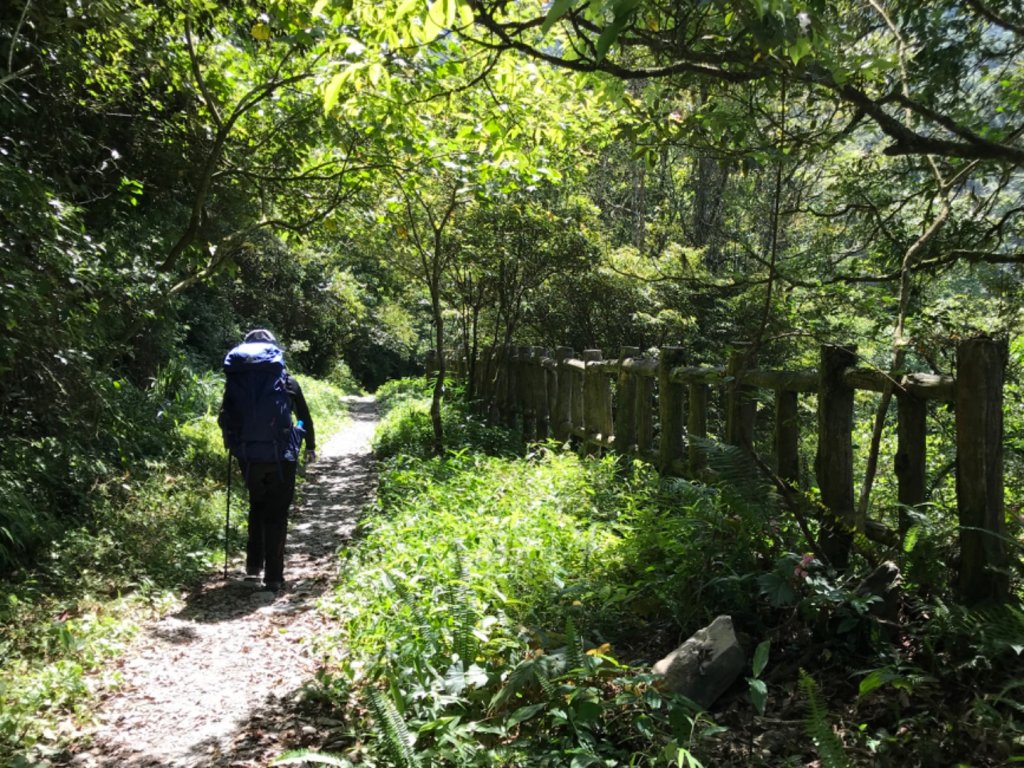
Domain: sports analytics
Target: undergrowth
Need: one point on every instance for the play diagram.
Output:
(504, 610)
(504, 607)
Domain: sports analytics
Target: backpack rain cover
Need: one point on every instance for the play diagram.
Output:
(257, 407)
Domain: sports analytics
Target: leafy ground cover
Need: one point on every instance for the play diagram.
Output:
(505, 610)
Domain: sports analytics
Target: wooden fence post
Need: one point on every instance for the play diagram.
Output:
(740, 401)
(523, 406)
(645, 415)
(909, 462)
(697, 425)
(981, 367)
(551, 388)
(508, 387)
(539, 386)
(561, 417)
(670, 409)
(834, 462)
(576, 382)
(527, 404)
(787, 435)
(596, 401)
(626, 404)
(482, 371)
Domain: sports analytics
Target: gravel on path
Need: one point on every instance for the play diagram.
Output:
(215, 684)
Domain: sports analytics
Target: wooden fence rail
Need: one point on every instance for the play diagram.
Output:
(653, 407)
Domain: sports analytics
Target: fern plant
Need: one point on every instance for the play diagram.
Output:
(830, 748)
(392, 730)
(463, 617)
(575, 658)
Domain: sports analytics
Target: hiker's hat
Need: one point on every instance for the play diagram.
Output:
(260, 334)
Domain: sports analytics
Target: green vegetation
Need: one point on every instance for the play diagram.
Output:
(485, 606)
(372, 179)
(505, 610)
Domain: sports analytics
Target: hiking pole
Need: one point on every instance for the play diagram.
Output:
(227, 520)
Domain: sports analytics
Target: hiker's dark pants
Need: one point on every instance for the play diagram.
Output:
(271, 488)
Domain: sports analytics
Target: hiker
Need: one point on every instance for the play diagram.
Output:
(256, 420)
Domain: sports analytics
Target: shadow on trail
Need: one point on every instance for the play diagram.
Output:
(219, 683)
(323, 520)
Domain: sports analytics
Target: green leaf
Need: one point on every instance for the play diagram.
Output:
(523, 714)
(334, 88)
(558, 9)
(588, 711)
(758, 694)
(777, 589)
(623, 9)
(799, 49)
(375, 72)
(761, 657)
(877, 679)
(318, 7)
(436, 20)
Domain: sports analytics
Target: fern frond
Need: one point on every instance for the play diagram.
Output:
(463, 615)
(392, 730)
(526, 674)
(575, 658)
(426, 631)
(830, 747)
(992, 629)
(737, 476)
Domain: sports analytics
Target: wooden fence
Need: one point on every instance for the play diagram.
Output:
(651, 407)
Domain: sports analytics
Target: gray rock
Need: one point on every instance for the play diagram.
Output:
(704, 667)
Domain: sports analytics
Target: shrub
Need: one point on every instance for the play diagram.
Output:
(406, 427)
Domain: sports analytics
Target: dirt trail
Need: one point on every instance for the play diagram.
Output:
(214, 684)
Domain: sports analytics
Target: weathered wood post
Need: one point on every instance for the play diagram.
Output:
(787, 435)
(626, 401)
(834, 461)
(575, 369)
(539, 395)
(981, 365)
(523, 405)
(740, 401)
(482, 374)
(909, 462)
(670, 409)
(508, 387)
(645, 415)
(697, 424)
(561, 417)
(527, 391)
(597, 401)
(551, 388)
(495, 384)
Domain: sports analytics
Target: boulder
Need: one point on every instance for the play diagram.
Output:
(704, 667)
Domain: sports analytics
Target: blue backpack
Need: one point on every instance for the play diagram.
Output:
(257, 407)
